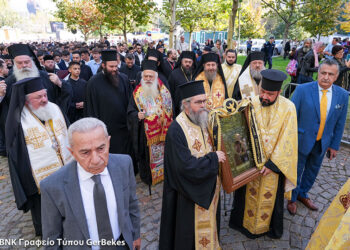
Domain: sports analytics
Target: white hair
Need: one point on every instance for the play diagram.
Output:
(25, 72)
(185, 101)
(44, 113)
(85, 125)
(150, 89)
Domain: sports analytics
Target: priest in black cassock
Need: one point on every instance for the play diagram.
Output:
(249, 77)
(150, 114)
(182, 73)
(190, 211)
(26, 65)
(107, 98)
(154, 55)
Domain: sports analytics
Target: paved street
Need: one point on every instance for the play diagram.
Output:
(297, 230)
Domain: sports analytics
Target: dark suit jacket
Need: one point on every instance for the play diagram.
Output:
(63, 214)
(62, 65)
(307, 104)
(137, 60)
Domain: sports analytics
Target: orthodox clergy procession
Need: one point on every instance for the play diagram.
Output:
(149, 125)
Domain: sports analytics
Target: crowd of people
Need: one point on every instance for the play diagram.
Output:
(78, 122)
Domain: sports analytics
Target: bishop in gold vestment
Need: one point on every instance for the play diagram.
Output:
(210, 72)
(258, 206)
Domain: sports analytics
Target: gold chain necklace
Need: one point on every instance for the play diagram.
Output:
(185, 74)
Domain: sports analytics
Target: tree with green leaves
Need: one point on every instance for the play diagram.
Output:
(321, 16)
(126, 15)
(190, 14)
(187, 13)
(217, 15)
(80, 14)
(8, 17)
(345, 24)
(289, 11)
(251, 21)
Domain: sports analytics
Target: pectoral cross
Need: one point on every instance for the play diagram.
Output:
(197, 145)
(247, 90)
(36, 138)
(204, 241)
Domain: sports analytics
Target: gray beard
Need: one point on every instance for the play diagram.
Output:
(43, 113)
(306, 49)
(200, 118)
(256, 74)
(210, 76)
(25, 72)
(150, 90)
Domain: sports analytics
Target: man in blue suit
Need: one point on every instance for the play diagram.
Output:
(321, 109)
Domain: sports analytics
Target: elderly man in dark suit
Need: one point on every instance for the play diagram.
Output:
(321, 109)
(92, 200)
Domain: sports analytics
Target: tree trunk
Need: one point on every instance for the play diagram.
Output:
(172, 23)
(86, 36)
(124, 31)
(231, 25)
(100, 32)
(285, 37)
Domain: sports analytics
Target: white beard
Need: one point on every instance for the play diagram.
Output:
(150, 90)
(43, 113)
(256, 74)
(25, 72)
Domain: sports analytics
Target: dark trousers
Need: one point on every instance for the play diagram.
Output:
(268, 60)
(308, 168)
(286, 53)
(36, 213)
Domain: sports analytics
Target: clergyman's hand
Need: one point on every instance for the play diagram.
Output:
(3, 87)
(54, 79)
(265, 171)
(141, 115)
(79, 105)
(221, 156)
